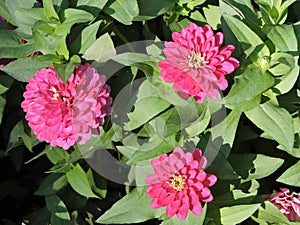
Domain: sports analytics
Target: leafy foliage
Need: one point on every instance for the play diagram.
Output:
(251, 136)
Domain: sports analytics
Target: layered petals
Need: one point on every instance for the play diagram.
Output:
(196, 63)
(288, 203)
(180, 183)
(64, 113)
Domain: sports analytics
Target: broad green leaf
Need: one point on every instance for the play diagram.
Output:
(281, 63)
(192, 219)
(131, 209)
(11, 47)
(154, 147)
(52, 184)
(86, 38)
(212, 15)
(101, 50)
(233, 214)
(200, 124)
(12, 6)
(254, 166)
(58, 209)
(177, 26)
(65, 70)
(29, 66)
(151, 9)
(94, 180)
(270, 213)
(122, 10)
(49, 10)
(227, 129)
(4, 12)
(220, 166)
(79, 181)
(247, 86)
(251, 43)
(235, 197)
(274, 121)
(72, 16)
(288, 80)
(291, 176)
(92, 6)
(284, 38)
(56, 154)
(145, 109)
(30, 16)
(130, 58)
(21, 135)
(243, 9)
(2, 106)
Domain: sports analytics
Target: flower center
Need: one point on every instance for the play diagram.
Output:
(177, 183)
(196, 60)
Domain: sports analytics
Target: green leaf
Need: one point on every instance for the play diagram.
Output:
(291, 176)
(56, 154)
(101, 50)
(275, 122)
(49, 10)
(151, 9)
(154, 147)
(284, 38)
(130, 58)
(254, 166)
(236, 197)
(65, 70)
(227, 129)
(86, 38)
(251, 43)
(212, 15)
(79, 181)
(122, 10)
(30, 16)
(2, 106)
(200, 124)
(92, 6)
(270, 213)
(29, 66)
(132, 208)
(52, 184)
(11, 47)
(101, 188)
(234, 214)
(243, 9)
(145, 109)
(281, 63)
(192, 219)
(72, 16)
(220, 166)
(21, 135)
(59, 211)
(4, 12)
(12, 6)
(288, 80)
(247, 86)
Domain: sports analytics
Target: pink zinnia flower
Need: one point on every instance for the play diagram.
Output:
(64, 113)
(288, 203)
(180, 183)
(196, 63)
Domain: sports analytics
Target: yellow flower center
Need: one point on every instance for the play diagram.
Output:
(196, 60)
(177, 183)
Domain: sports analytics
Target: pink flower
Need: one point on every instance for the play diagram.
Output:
(196, 63)
(64, 113)
(288, 203)
(180, 183)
